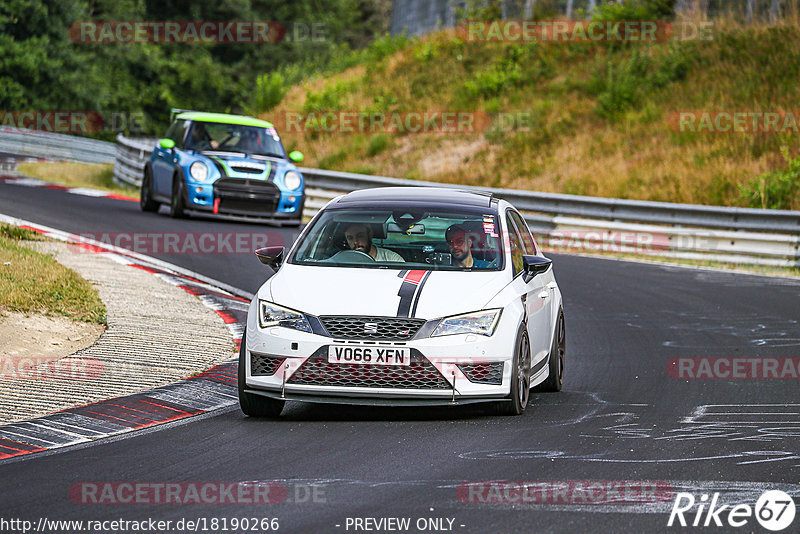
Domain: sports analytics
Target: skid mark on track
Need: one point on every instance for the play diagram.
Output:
(764, 425)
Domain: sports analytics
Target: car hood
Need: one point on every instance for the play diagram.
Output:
(236, 165)
(381, 292)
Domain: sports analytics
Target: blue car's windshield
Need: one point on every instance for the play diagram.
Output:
(429, 239)
(234, 138)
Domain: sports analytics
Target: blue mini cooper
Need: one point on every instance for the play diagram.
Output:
(229, 166)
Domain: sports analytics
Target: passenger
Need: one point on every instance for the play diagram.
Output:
(460, 241)
(359, 237)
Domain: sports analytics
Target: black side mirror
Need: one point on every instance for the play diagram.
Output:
(533, 265)
(272, 256)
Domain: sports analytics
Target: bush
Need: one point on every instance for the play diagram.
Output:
(377, 144)
(775, 190)
(329, 99)
(384, 46)
(619, 89)
(635, 10)
(270, 90)
(480, 10)
(503, 75)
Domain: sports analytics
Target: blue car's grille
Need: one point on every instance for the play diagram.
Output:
(244, 196)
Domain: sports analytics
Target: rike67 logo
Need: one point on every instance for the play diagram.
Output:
(774, 510)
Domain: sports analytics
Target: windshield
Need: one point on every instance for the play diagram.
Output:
(428, 239)
(235, 138)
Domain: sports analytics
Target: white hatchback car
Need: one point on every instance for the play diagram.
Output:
(405, 296)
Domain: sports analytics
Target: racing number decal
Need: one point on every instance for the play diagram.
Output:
(410, 290)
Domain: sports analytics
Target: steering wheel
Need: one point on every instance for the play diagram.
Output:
(350, 256)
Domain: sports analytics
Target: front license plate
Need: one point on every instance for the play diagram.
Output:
(363, 355)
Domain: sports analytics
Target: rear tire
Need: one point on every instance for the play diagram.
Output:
(520, 377)
(556, 358)
(255, 405)
(177, 205)
(146, 202)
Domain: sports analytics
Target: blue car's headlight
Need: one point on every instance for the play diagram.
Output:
(273, 315)
(481, 322)
(292, 180)
(199, 171)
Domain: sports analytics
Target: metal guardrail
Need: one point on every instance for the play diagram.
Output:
(570, 222)
(592, 207)
(55, 146)
(131, 156)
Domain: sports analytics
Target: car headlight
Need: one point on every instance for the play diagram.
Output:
(292, 180)
(273, 315)
(199, 171)
(481, 322)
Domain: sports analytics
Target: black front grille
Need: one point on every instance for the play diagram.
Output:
(240, 195)
(264, 365)
(419, 374)
(483, 373)
(377, 328)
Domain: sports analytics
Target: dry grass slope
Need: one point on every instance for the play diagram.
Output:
(601, 118)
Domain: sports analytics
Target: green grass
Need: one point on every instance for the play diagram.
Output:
(32, 282)
(92, 176)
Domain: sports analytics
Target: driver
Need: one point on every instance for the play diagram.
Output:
(359, 237)
(201, 138)
(460, 241)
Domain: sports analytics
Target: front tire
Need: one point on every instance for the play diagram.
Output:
(254, 405)
(520, 377)
(555, 361)
(177, 205)
(146, 202)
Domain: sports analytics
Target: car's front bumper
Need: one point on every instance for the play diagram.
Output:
(375, 401)
(449, 369)
(245, 199)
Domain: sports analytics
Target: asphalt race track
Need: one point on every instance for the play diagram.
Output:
(621, 416)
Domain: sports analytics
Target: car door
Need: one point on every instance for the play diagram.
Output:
(535, 294)
(165, 159)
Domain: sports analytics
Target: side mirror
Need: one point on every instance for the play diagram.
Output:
(533, 265)
(166, 144)
(272, 256)
(296, 156)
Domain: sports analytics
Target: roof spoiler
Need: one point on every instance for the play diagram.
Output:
(177, 111)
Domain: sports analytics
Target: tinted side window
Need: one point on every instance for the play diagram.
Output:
(515, 242)
(525, 233)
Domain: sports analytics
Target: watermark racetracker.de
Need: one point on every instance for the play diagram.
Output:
(196, 32)
(569, 492)
(155, 243)
(735, 121)
(733, 368)
(75, 122)
(584, 31)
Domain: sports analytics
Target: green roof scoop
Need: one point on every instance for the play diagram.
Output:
(296, 156)
(223, 118)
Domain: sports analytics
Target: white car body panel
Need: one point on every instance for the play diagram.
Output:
(325, 290)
